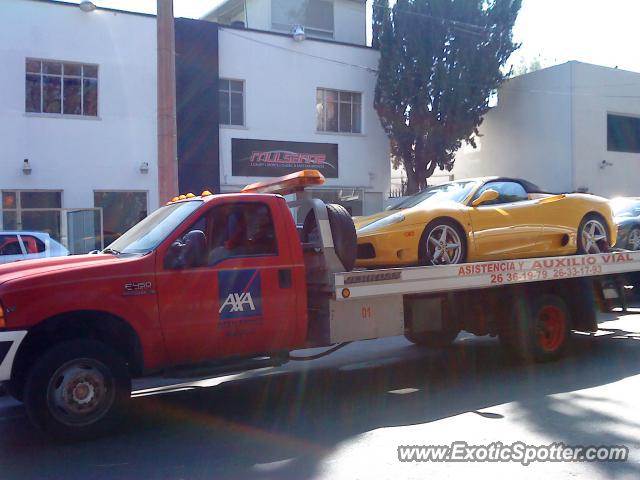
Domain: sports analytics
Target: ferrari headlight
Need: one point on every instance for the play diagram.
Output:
(383, 222)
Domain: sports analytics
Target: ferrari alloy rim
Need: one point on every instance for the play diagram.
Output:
(593, 235)
(634, 239)
(80, 392)
(551, 328)
(444, 245)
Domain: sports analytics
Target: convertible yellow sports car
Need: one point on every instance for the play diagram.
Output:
(484, 219)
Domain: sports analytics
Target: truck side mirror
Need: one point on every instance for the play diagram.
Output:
(187, 252)
(488, 195)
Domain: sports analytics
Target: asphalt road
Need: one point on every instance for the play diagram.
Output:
(345, 415)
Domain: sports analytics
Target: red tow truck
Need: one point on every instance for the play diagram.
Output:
(231, 282)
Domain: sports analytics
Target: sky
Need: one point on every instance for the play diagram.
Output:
(604, 32)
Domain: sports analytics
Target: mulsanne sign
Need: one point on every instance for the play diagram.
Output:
(271, 158)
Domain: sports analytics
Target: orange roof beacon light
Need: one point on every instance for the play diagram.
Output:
(206, 193)
(182, 197)
(294, 182)
(190, 195)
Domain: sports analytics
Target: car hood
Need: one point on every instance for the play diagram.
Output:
(434, 207)
(45, 266)
(360, 222)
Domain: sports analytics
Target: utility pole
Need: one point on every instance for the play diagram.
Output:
(167, 130)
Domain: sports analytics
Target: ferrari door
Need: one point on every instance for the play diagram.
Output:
(508, 227)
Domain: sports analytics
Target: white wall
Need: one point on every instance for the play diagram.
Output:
(598, 91)
(281, 77)
(80, 155)
(528, 134)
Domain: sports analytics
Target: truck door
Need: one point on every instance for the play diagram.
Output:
(236, 300)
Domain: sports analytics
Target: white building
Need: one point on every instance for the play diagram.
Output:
(315, 92)
(78, 103)
(569, 127)
(78, 110)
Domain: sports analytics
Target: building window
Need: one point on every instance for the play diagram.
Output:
(120, 212)
(338, 111)
(231, 98)
(623, 134)
(61, 88)
(33, 211)
(316, 16)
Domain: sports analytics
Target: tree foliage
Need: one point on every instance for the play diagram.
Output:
(440, 61)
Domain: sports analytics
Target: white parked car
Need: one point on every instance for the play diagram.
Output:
(16, 246)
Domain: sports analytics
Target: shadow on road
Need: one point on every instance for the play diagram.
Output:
(290, 421)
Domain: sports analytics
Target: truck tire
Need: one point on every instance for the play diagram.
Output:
(343, 232)
(77, 389)
(433, 339)
(539, 329)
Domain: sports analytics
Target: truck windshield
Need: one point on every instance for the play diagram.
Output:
(150, 232)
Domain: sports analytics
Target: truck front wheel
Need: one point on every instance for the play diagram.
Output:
(77, 389)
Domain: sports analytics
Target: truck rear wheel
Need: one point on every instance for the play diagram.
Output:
(77, 389)
(539, 330)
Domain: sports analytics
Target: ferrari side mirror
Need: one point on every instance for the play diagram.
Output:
(488, 195)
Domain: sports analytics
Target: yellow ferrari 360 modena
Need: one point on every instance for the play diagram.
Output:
(484, 219)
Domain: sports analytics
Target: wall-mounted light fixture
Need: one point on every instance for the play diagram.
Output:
(87, 6)
(144, 167)
(298, 33)
(603, 164)
(26, 167)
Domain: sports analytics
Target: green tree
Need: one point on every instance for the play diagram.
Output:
(440, 60)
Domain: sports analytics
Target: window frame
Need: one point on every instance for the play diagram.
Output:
(311, 31)
(244, 102)
(324, 130)
(626, 148)
(19, 209)
(62, 77)
(207, 217)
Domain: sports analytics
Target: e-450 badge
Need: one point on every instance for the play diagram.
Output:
(138, 288)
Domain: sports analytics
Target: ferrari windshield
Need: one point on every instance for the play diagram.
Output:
(150, 232)
(452, 191)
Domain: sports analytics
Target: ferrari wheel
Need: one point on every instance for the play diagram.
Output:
(442, 243)
(633, 241)
(592, 235)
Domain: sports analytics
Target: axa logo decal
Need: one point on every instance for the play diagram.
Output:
(237, 302)
(240, 294)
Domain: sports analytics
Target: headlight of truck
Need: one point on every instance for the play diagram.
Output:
(383, 222)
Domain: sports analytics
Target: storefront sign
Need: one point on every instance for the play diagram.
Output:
(270, 158)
